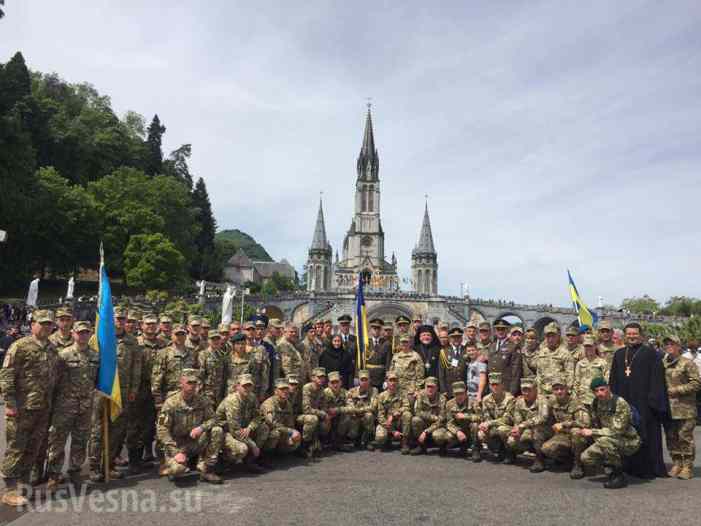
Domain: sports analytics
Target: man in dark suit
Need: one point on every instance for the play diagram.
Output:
(378, 355)
(349, 341)
(503, 357)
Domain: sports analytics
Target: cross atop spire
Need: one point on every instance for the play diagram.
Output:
(425, 244)
(320, 242)
(368, 161)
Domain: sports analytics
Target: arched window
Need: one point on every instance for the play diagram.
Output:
(371, 199)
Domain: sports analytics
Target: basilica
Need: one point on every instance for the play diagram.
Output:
(364, 244)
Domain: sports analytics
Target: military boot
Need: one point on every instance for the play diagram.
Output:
(134, 462)
(616, 480)
(417, 449)
(509, 457)
(365, 441)
(210, 476)
(676, 466)
(404, 448)
(538, 465)
(577, 471)
(477, 453)
(12, 497)
(443, 451)
(687, 470)
(463, 450)
(501, 455)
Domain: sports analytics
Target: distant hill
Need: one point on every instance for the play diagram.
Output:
(230, 241)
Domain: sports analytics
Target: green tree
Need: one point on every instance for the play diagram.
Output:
(2, 11)
(151, 261)
(682, 306)
(15, 83)
(176, 165)
(642, 305)
(204, 264)
(154, 140)
(282, 282)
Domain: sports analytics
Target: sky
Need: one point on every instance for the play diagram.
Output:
(547, 135)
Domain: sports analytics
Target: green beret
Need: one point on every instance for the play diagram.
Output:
(597, 382)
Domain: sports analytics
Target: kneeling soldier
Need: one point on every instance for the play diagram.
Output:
(613, 433)
(312, 412)
(279, 417)
(389, 407)
(559, 421)
(337, 422)
(461, 421)
(427, 417)
(362, 418)
(187, 429)
(245, 433)
(497, 408)
(525, 418)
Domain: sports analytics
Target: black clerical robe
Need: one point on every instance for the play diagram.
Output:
(644, 387)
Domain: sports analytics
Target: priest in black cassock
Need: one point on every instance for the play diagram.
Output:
(637, 374)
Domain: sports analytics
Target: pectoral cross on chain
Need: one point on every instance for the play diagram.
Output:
(627, 371)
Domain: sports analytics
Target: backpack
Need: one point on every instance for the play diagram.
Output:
(635, 419)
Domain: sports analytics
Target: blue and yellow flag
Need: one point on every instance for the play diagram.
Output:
(586, 317)
(108, 374)
(361, 326)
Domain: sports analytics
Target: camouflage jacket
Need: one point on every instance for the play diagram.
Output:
(214, 374)
(612, 418)
(290, 359)
(312, 400)
(528, 361)
(525, 415)
(260, 369)
(550, 364)
(568, 412)
(76, 376)
(337, 401)
(150, 350)
(129, 362)
(179, 417)
(470, 409)
(682, 384)
(577, 352)
(498, 412)
(238, 365)
(59, 341)
(28, 374)
(388, 404)
(410, 369)
(362, 402)
(278, 414)
(607, 352)
(196, 346)
(167, 369)
(430, 411)
(311, 350)
(238, 412)
(584, 372)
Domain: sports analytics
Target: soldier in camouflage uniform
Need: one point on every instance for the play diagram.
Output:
(529, 352)
(290, 359)
(165, 331)
(295, 395)
(214, 365)
(451, 362)
(311, 349)
(683, 383)
(76, 375)
(497, 410)
(588, 368)
(557, 429)
(460, 423)
(484, 333)
(262, 368)
(240, 362)
(389, 407)
(27, 381)
(187, 429)
(471, 332)
(553, 360)
(334, 402)
(279, 417)
(613, 434)
(572, 343)
(402, 324)
(135, 417)
(426, 418)
(168, 367)
(239, 414)
(525, 418)
(196, 340)
(605, 345)
(362, 418)
(145, 419)
(408, 366)
(313, 412)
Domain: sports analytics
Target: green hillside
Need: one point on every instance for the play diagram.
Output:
(229, 242)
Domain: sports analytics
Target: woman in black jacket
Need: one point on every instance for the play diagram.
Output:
(336, 358)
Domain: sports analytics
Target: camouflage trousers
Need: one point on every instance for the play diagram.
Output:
(563, 446)
(75, 422)
(117, 430)
(495, 438)
(24, 435)
(525, 442)
(680, 438)
(338, 426)
(446, 438)
(141, 428)
(361, 425)
(279, 440)
(608, 451)
(206, 448)
(383, 435)
(235, 449)
(309, 426)
(417, 425)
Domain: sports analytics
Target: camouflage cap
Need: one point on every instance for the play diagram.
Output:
(213, 334)
(223, 327)
(501, 324)
(292, 379)
(319, 371)
(403, 338)
(515, 329)
(328, 321)
(134, 315)
(552, 328)
(471, 325)
(363, 374)
(205, 323)
(605, 325)
(458, 387)
(572, 331)
(276, 323)
(149, 317)
(64, 312)
(431, 380)
(82, 326)
(334, 376)
(672, 338)
(178, 328)
(559, 380)
(484, 325)
(245, 379)
(120, 312)
(588, 339)
(527, 381)
(281, 383)
(248, 326)
(190, 374)
(194, 321)
(392, 376)
(43, 316)
(165, 319)
(494, 378)
(531, 330)
(455, 331)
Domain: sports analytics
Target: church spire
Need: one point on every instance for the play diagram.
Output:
(319, 242)
(425, 244)
(368, 161)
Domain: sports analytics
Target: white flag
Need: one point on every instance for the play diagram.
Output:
(71, 287)
(227, 305)
(33, 294)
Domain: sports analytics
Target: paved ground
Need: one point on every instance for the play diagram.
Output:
(366, 488)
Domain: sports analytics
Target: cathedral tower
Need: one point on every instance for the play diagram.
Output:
(319, 259)
(424, 260)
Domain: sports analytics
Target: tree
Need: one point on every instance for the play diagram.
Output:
(682, 306)
(176, 165)
(282, 282)
(642, 305)
(2, 12)
(154, 161)
(151, 261)
(204, 241)
(15, 83)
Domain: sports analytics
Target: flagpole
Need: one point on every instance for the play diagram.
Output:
(106, 437)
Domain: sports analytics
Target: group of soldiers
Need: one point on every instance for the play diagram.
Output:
(198, 399)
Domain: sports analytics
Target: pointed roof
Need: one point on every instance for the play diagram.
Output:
(368, 153)
(319, 241)
(425, 244)
(368, 147)
(240, 260)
